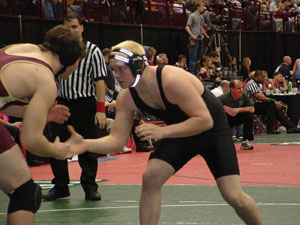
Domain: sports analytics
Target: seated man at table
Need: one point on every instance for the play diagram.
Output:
(239, 110)
(267, 106)
(277, 82)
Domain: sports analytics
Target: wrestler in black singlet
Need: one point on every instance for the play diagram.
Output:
(215, 145)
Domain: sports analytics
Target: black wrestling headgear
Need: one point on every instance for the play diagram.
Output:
(69, 53)
(135, 62)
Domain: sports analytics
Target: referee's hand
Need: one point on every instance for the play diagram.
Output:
(100, 119)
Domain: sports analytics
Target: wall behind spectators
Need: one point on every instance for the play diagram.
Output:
(266, 49)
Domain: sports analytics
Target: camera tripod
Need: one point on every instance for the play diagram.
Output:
(219, 42)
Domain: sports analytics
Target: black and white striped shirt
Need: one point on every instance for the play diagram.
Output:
(251, 88)
(81, 83)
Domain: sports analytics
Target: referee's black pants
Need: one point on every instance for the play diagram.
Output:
(271, 112)
(245, 118)
(82, 119)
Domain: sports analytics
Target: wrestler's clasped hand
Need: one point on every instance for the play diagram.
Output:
(76, 142)
(146, 131)
(58, 113)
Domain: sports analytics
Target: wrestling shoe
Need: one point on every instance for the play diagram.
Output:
(56, 193)
(293, 130)
(246, 146)
(93, 196)
(273, 132)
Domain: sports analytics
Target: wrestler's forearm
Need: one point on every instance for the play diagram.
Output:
(39, 146)
(189, 127)
(105, 145)
(5, 122)
(15, 111)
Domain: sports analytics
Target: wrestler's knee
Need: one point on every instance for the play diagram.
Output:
(26, 197)
(234, 198)
(148, 178)
(152, 179)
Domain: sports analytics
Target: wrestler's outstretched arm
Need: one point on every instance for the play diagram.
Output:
(119, 133)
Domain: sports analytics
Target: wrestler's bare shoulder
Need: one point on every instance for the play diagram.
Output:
(22, 49)
(174, 76)
(125, 99)
(24, 77)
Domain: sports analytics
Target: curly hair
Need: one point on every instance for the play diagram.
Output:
(59, 37)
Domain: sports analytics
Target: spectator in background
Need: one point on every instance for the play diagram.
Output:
(57, 6)
(139, 9)
(191, 5)
(207, 14)
(47, 8)
(296, 74)
(198, 65)
(150, 53)
(250, 77)
(284, 69)
(274, 6)
(284, 13)
(292, 5)
(245, 68)
(181, 62)
(252, 13)
(110, 79)
(230, 70)
(267, 19)
(267, 106)
(162, 59)
(216, 64)
(112, 88)
(194, 28)
(178, 6)
(239, 110)
(75, 6)
(236, 3)
(277, 82)
(205, 72)
(221, 89)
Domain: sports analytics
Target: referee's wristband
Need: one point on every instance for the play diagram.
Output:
(272, 100)
(100, 107)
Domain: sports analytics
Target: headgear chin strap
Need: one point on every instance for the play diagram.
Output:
(135, 62)
(137, 79)
(61, 71)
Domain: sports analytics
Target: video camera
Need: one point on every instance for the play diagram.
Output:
(219, 16)
(220, 9)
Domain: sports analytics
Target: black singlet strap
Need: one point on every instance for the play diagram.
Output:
(159, 81)
(138, 101)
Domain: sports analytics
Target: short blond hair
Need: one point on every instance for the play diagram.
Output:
(129, 45)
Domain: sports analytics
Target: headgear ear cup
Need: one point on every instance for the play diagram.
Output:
(136, 65)
(69, 54)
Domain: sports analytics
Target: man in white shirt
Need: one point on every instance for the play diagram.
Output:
(221, 89)
(274, 5)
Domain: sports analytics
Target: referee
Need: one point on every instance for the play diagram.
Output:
(84, 94)
(267, 106)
